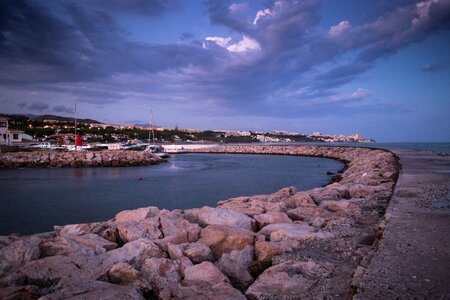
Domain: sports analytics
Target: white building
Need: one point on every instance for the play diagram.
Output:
(11, 136)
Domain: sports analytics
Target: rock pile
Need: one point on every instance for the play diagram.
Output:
(286, 245)
(54, 159)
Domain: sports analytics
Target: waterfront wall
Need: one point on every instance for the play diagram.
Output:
(287, 245)
(55, 159)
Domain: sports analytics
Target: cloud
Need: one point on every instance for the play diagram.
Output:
(142, 7)
(187, 35)
(222, 42)
(436, 67)
(244, 45)
(339, 29)
(38, 106)
(284, 60)
(63, 109)
(22, 105)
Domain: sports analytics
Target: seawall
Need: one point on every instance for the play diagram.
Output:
(55, 159)
(292, 245)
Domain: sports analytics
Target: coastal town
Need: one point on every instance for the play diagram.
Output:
(50, 131)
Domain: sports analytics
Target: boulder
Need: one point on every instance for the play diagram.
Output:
(344, 206)
(293, 231)
(49, 271)
(18, 253)
(205, 281)
(125, 274)
(171, 226)
(223, 238)
(288, 280)
(180, 237)
(282, 194)
(271, 218)
(219, 216)
(198, 252)
(80, 229)
(64, 246)
(307, 213)
(133, 230)
(298, 199)
(94, 242)
(266, 250)
(205, 272)
(95, 290)
(138, 214)
(20, 292)
(134, 253)
(235, 266)
(164, 274)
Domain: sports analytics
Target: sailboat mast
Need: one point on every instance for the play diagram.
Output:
(75, 117)
(153, 131)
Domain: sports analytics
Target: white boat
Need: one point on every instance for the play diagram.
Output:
(158, 150)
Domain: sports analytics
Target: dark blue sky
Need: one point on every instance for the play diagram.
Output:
(381, 68)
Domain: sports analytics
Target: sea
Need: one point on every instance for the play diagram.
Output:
(34, 200)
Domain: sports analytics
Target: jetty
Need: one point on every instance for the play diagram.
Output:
(328, 242)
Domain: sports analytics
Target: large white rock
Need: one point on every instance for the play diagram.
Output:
(95, 290)
(134, 253)
(223, 238)
(220, 216)
(138, 214)
(235, 266)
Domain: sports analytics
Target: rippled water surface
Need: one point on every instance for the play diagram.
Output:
(33, 200)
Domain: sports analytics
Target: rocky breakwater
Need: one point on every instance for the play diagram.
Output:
(288, 245)
(106, 158)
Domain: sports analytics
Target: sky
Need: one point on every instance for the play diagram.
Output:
(380, 68)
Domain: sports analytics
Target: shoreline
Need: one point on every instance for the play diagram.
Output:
(246, 245)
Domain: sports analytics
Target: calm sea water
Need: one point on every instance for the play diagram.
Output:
(33, 200)
(443, 147)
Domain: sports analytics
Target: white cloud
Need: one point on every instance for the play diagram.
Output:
(423, 9)
(222, 42)
(360, 93)
(262, 13)
(339, 29)
(246, 44)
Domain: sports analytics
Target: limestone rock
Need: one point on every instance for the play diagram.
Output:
(266, 250)
(293, 231)
(138, 214)
(219, 216)
(235, 266)
(18, 253)
(288, 280)
(49, 271)
(307, 213)
(205, 272)
(64, 246)
(124, 274)
(79, 229)
(205, 281)
(133, 230)
(95, 290)
(20, 292)
(164, 275)
(134, 253)
(271, 218)
(95, 242)
(223, 238)
(343, 206)
(198, 252)
(171, 226)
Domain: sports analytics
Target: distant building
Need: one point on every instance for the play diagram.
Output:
(11, 136)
